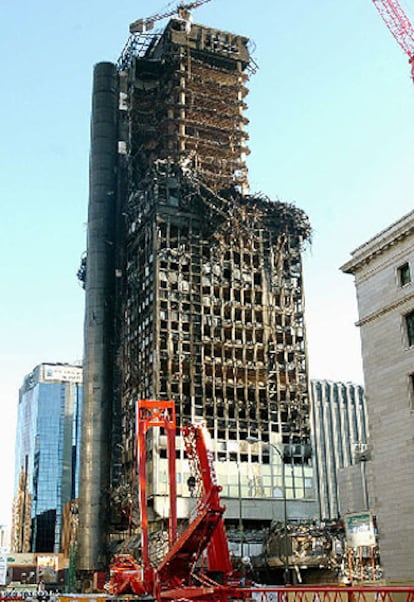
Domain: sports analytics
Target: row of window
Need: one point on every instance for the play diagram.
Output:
(409, 325)
(404, 274)
(404, 278)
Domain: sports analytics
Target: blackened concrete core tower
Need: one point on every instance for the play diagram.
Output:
(99, 320)
(195, 293)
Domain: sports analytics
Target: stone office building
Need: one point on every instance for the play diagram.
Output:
(383, 269)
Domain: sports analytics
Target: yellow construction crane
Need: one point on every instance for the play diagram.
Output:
(182, 10)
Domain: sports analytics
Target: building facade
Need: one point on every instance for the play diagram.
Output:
(46, 456)
(4, 537)
(383, 269)
(340, 436)
(193, 289)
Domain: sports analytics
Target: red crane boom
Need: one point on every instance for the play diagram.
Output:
(399, 25)
(177, 575)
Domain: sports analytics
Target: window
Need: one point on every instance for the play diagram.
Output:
(404, 274)
(411, 387)
(409, 323)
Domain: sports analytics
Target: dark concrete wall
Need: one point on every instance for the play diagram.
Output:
(98, 327)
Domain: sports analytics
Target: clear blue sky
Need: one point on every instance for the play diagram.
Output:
(332, 129)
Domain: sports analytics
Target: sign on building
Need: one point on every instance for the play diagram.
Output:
(47, 569)
(64, 373)
(359, 529)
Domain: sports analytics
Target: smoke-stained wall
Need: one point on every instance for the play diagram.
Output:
(98, 327)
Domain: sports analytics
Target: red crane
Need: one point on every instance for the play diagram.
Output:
(176, 576)
(399, 25)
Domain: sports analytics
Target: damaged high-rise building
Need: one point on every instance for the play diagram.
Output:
(193, 293)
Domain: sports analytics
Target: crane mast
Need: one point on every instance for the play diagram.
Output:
(205, 532)
(399, 25)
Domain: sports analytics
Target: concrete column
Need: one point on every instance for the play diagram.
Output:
(99, 319)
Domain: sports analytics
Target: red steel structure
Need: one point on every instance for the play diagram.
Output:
(126, 575)
(151, 414)
(199, 453)
(399, 25)
(321, 593)
(205, 532)
(180, 576)
(177, 575)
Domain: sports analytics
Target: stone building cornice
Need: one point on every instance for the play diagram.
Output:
(377, 245)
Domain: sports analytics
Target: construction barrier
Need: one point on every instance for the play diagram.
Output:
(331, 593)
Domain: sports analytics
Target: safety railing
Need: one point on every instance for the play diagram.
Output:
(334, 593)
(326, 593)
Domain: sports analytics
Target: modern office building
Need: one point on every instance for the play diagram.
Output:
(47, 456)
(340, 438)
(383, 269)
(194, 290)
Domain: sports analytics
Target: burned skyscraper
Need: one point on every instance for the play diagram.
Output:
(193, 289)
